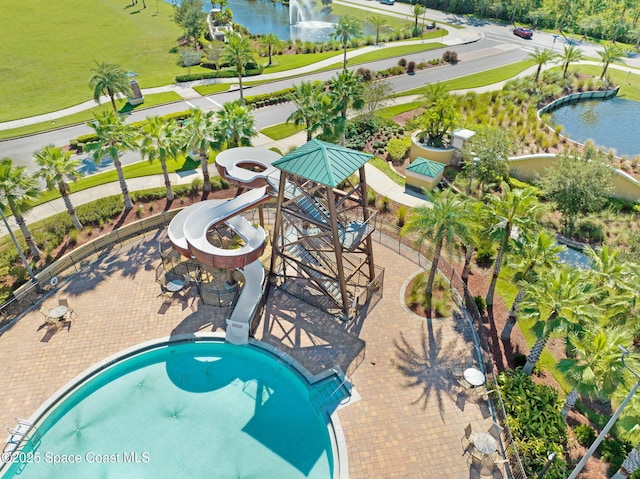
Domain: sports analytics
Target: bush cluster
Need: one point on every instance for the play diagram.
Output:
(268, 99)
(373, 131)
(450, 57)
(217, 74)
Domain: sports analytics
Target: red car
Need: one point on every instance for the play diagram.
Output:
(523, 32)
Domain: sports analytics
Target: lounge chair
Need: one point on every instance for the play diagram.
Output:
(495, 431)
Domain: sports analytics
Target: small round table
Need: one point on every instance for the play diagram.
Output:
(58, 312)
(485, 442)
(474, 376)
(175, 285)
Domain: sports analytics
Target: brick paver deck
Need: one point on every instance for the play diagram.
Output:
(407, 424)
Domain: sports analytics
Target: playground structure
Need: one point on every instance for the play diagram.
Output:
(321, 240)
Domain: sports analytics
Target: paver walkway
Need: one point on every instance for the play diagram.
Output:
(408, 422)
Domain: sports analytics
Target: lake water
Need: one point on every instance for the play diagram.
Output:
(613, 124)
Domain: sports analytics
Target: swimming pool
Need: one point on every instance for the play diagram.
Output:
(202, 409)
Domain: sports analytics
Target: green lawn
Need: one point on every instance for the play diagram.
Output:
(395, 51)
(386, 169)
(49, 49)
(213, 88)
(392, 22)
(290, 62)
(391, 111)
(84, 116)
(282, 130)
(629, 84)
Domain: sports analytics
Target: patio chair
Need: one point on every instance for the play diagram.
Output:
(468, 437)
(468, 361)
(44, 311)
(465, 384)
(455, 372)
(496, 431)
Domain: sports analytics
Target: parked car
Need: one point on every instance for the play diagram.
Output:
(523, 32)
(387, 2)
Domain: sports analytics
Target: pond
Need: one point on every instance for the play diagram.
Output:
(575, 258)
(612, 124)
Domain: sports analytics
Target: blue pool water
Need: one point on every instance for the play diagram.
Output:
(195, 410)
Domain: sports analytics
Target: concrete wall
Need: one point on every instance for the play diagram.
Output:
(526, 168)
(421, 182)
(441, 155)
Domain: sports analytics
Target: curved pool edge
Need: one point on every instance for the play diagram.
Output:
(334, 427)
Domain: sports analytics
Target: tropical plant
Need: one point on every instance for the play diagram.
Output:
(18, 190)
(111, 80)
(442, 222)
(611, 53)
(56, 165)
(236, 125)
(200, 133)
(114, 137)
(378, 21)
(312, 103)
(161, 141)
(417, 11)
(344, 31)
(627, 428)
(270, 41)
(375, 92)
(532, 254)
(345, 91)
(541, 58)
(571, 54)
(238, 53)
(559, 302)
(487, 154)
(594, 367)
(440, 115)
(515, 211)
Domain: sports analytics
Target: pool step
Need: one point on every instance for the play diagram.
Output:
(330, 393)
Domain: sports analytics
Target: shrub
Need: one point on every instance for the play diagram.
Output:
(100, 210)
(384, 204)
(411, 67)
(397, 148)
(585, 434)
(365, 73)
(371, 197)
(196, 186)
(519, 360)
(481, 304)
(402, 62)
(450, 57)
(484, 256)
(591, 231)
(401, 215)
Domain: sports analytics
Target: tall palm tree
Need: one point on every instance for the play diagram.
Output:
(109, 79)
(594, 368)
(270, 41)
(161, 141)
(114, 136)
(442, 222)
(18, 189)
(378, 21)
(514, 211)
(199, 132)
(571, 54)
(346, 91)
(474, 210)
(238, 53)
(344, 31)
(559, 302)
(56, 165)
(312, 103)
(611, 53)
(541, 58)
(531, 256)
(236, 125)
(416, 11)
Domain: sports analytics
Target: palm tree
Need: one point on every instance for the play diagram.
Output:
(270, 41)
(238, 53)
(111, 80)
(531, 256)
(443, 221)
(346, 90)
(114, 136)
(346, 28)
(558, 302)
(416, 12)
(627, 428)
(570, 55)
(200, 132)
(541, 58)
(161, 141)
(594, 368)
(56, 165)
(474, 209)
(311, 101)
(378, 21)
(515, 211)
(611, 53)
(18, 189)
(236, 125)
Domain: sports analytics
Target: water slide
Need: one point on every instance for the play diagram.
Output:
(250, 168)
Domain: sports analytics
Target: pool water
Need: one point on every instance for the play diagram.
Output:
(193, 410)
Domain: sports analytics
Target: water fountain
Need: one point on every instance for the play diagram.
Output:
(301, 15)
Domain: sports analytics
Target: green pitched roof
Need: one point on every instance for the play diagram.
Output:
(426, 167)
(322, 162)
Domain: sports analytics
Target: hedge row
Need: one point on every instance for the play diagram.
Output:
(217, 74)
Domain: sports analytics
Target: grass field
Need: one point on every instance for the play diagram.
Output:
(49, 49)
(84, 116)
(282, 130)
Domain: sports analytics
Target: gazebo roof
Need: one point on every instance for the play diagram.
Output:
(322, 162)
(426, 167)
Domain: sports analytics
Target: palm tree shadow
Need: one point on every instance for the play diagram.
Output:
(422, 366)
